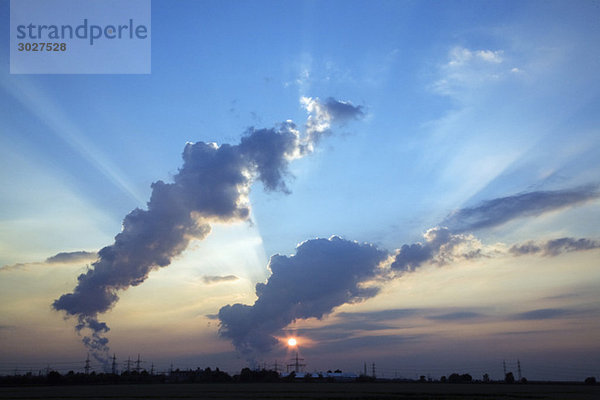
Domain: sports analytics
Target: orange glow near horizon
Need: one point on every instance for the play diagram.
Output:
(292, 342)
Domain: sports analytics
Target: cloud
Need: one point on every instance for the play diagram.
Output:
(543, 313)
(72, 257)
(300, 286)
(377, 316)
(491, 213)
(323, 274)
(554, 247)
(440, 247)
(322, 114)
(7, 327)
(60, 258)
(469, 69)
(209, 280)
(450, 241)
(212, 185)
(460, 57)
(456, 316)
(343, 345)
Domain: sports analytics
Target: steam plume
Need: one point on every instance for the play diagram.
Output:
(212, 186)
(323, 274)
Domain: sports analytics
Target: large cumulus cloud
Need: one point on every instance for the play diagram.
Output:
(323, 274)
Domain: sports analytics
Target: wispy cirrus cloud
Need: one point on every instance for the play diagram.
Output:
(495, 212)
(468, 68)
(544, 313)
(72, 257)
(554, 247)
(456, 316)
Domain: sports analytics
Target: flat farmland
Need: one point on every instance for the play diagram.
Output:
(293, 391)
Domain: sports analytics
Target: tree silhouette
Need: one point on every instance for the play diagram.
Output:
(509, 378)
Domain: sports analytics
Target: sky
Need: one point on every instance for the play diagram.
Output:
(407, 183)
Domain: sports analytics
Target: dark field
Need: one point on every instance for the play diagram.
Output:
(294, 391)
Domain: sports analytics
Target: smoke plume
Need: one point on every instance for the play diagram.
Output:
(212, 186)
(323, 274)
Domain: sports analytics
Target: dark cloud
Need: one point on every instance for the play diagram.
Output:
(522, 333)
(343, 110)
(554, 247)
(383, 315)
(456, 316)
(268, 152)
(7, 327)
(323, 274)
(450, 241)
(543, 313)
(72, 257)
(213, 185)
(209, 280)
(323, 114)
(344, 345)
(441, 246)
(60, 258)
(498, 211)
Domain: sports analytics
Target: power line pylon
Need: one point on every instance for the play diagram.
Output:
(519, 370)
(297, 365)
(114, 364)
(128, 365)
(137, 364)
(87, 365)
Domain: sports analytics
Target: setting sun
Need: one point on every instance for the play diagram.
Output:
(292, 342)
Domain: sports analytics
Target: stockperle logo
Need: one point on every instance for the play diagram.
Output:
(80, 37)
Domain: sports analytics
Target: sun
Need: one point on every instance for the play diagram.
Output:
(292, 342)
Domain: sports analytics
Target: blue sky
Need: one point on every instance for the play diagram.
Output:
(455, 104)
